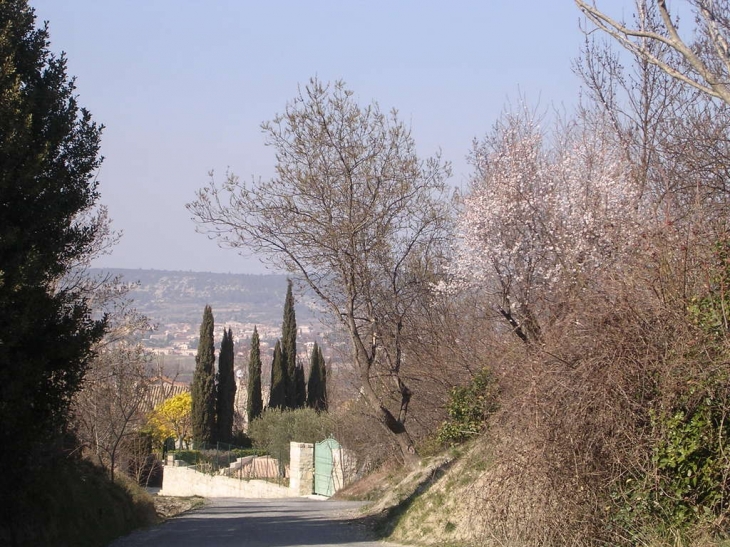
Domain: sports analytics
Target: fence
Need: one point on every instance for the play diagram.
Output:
(235, 462)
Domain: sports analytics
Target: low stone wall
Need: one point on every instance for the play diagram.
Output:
(186, 481)
(180, 480)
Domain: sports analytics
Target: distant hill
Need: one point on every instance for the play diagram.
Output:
(179, 297)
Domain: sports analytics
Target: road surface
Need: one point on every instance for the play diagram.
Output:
(233, 522)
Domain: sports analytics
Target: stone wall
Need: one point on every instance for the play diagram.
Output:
(186, 481)
(181, 480)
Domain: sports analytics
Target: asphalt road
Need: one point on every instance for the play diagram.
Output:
(232, 522)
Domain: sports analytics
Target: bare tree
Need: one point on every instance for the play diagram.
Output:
(108, 410)
(703, 64)
(354, 213)
(674, 140)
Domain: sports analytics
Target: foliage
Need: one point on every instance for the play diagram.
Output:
(226, 389)
(107, 409)
(692, 463)
(275, 429)
(172, 419)
(254, 402)
(687, 485)
(277, 395)
(289, 348)
(301, 386)
(70, 502)
(469, 408)
(203, 386)
(541, 216)
(51, 226)
(710, 311)
(241, 439)
(317, 386)
(356, 215)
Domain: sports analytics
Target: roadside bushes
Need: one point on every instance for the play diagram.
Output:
(469, 408)
(276, 428)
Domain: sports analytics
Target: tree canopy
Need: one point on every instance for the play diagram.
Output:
(50, 226)
(254, 402)
(317, 385)
(277, 392)
(171, 419)
(203, 386)
(352, 212)
(289, 348)
(226, 388)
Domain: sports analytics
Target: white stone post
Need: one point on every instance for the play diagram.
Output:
(301, 468)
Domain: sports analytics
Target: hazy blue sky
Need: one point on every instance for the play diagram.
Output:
(182, 87)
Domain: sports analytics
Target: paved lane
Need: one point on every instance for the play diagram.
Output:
(233, 522)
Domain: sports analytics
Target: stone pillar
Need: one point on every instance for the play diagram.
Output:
(301, 468)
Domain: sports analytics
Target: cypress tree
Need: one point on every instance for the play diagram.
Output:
(277, 394)
(203, 387)
(254, 404)
(301, 387)
(322, 405)
(317, 388)
(314, 380)
(289, 347)
(226, 389)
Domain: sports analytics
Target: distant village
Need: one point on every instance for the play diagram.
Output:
(177, 344)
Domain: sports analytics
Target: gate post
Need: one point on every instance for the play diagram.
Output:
(301, 468)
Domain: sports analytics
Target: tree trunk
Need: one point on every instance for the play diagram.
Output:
(392, 424)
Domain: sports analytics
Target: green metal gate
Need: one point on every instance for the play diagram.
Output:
(324, 467)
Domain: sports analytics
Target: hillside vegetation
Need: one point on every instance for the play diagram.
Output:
(73, 504)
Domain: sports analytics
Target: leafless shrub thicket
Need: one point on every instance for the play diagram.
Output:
(612, 427)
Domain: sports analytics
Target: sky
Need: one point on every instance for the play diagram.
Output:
(182, 87)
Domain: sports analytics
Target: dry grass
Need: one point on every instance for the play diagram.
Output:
(170, 506)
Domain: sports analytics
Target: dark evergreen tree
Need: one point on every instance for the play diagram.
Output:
(289, 347)
(323, 405)
(301, 386)
(226, 389)
(49, 154)
(277, 394)
(314, 380)
(254, 403)
(317, 386)
(203, 386)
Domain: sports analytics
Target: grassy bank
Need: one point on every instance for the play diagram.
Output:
(72, 503)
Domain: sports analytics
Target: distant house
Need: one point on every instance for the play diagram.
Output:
(162, 388)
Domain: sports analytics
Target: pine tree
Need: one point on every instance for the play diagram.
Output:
(226, 389)
(289, 347)
(254, 404)
(203, 387)
(301, 386)
(49, 156)
(317, 387)
(277, 394)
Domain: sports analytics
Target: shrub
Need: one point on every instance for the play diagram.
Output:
(276, 428)
(469, 408)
